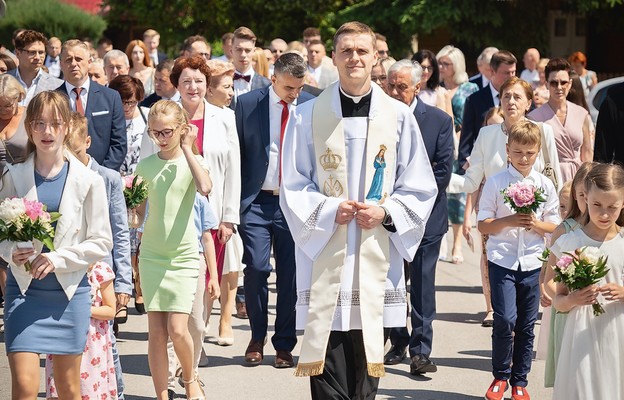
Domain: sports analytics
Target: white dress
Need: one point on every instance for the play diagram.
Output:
(591, 362)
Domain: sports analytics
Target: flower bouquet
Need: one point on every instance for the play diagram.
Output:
(523, 198)
(586, 266)
(135, 193)
(23, 221)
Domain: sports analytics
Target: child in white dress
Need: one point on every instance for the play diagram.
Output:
(591, 361)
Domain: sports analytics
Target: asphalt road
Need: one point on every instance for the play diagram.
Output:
(461, 349)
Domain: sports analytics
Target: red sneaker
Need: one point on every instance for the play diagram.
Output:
(519, 393)
(496, 390)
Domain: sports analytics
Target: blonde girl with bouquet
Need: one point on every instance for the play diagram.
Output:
(575, 206)
(47, 309)
(591, 360)
(169, 259)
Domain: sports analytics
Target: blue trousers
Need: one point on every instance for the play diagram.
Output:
(515, 300)
(263, 226)
(422, 299)
(117, 364)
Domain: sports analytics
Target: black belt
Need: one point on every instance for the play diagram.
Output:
(271, 192)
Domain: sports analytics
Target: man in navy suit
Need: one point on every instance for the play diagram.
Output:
(101, 105)
(436, 127)
(261, 118)
(245, 78)
(503, 66)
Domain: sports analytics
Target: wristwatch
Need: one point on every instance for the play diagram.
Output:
(387, 220)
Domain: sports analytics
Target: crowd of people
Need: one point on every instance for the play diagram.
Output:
(346, 170)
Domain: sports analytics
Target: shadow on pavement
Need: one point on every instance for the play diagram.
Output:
(468, 318)
(423, 395)
(460, 289)
(135, 364)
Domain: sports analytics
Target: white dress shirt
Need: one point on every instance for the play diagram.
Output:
(84, 94)
(516, 248)
(495, 96)
(272, 180)
(316, 72)
(54, 66)
(241, 86)
(30, 90)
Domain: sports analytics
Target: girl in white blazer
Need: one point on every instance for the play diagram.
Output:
(47, 309)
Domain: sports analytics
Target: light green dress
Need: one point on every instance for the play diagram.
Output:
(557, 323)
(169, 254)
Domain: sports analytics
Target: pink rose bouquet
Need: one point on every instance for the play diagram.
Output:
(23, 220)
(586, 266)
(135, 191)
(523, 198)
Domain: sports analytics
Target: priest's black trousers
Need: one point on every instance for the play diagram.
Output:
(345, 376)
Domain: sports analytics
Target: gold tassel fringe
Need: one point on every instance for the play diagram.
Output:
(376, 370)
(310, 369)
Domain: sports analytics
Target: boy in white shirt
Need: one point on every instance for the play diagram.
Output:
(514, 245)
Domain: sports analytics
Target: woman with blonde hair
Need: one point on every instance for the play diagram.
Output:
(260, 63)
(47, 308)
(141, 65)
(453, 75)
(223, 159)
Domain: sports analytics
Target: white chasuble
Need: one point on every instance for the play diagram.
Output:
(331, 258)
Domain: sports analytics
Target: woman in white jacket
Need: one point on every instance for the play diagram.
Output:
(47, 309)
(489, 156)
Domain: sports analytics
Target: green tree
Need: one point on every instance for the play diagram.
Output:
(52, 18)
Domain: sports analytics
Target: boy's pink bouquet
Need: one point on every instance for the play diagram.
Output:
(135, 191)
(586, 266)
(523, 198)
(23, 220)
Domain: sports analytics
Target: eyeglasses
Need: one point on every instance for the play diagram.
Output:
(129, 103)
(383, 52)
(555, 83)
(33, 53)
(39, 126)
(445, 64)
(379, 78)
(427, 68)
(165, 133)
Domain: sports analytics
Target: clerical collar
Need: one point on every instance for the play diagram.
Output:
(355, 106)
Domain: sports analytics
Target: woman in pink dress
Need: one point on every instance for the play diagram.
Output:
(571, 123)
(97, 372)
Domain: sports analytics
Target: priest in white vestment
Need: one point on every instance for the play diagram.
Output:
(357, 189)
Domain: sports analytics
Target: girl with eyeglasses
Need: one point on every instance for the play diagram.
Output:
(47, 309)
(169, 258)
(571, 123)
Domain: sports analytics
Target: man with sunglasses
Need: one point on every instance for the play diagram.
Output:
(30, 49)
(100, 105)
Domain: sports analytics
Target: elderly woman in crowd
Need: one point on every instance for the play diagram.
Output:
(570, 123)
(489, 156)
(223, 158)
(453, 75)
(141, 65)
(56, 284)
(430, 90)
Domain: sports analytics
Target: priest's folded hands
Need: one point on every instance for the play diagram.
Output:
(367, 216)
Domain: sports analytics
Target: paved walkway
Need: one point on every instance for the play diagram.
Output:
(461, 348)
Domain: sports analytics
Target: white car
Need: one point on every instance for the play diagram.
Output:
(598, 94)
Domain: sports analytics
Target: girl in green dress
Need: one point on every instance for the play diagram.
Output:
(169, 261)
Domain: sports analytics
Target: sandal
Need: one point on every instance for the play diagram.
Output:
(488, 321)
(195, 379)
(121, 317)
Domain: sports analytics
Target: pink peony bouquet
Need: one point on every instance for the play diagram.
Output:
(23, 220)
(135, 191)
(523, 198)
(585, 267)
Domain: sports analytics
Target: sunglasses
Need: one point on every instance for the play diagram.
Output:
(555, 83)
